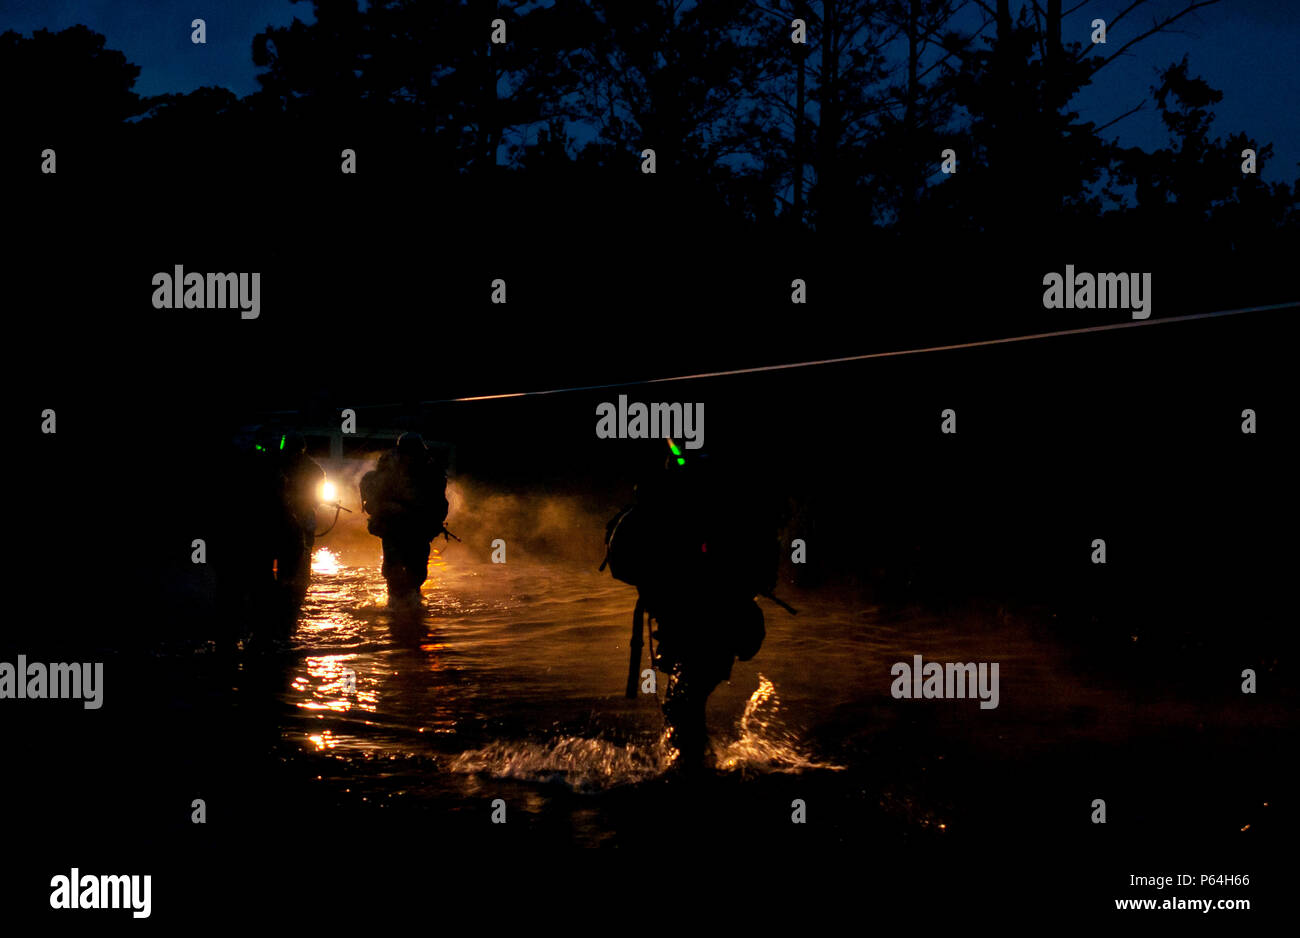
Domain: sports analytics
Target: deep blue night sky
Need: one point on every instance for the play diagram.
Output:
(1248, 49)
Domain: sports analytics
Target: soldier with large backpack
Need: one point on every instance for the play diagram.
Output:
(699, 544)
(405, 497)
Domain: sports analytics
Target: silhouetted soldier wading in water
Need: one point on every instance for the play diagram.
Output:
(265, 531)
(301, 477)
(405, 496)
(699, 546)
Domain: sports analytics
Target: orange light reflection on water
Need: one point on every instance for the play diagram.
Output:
(356, 651)
(335, 685)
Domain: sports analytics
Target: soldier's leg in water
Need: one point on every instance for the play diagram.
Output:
(295, 563)
(689, 686)
(394, 572)
(702, 661)
(264, 600)
(417, 562)
(406, 565)
(684, 715)
(240, 573)
(685, 708)
(300, 582)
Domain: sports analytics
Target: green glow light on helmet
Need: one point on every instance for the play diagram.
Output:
(282, 439)
(676, 452)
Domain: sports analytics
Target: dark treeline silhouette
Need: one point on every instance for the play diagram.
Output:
(819, 146)
(775, 161)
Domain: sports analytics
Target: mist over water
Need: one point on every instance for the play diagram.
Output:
(537, 526)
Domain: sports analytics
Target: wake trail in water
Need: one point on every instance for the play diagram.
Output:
(579, 763)
(588, 764)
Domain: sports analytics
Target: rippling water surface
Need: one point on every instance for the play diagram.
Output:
(515, 673)
(510, 678)
(510, 672)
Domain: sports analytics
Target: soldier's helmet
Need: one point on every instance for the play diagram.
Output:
(292, 443)
(411, 444)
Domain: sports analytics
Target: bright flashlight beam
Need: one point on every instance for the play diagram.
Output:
(328, 493)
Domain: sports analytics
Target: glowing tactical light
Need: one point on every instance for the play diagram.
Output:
(328, 492)
(676, 452)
